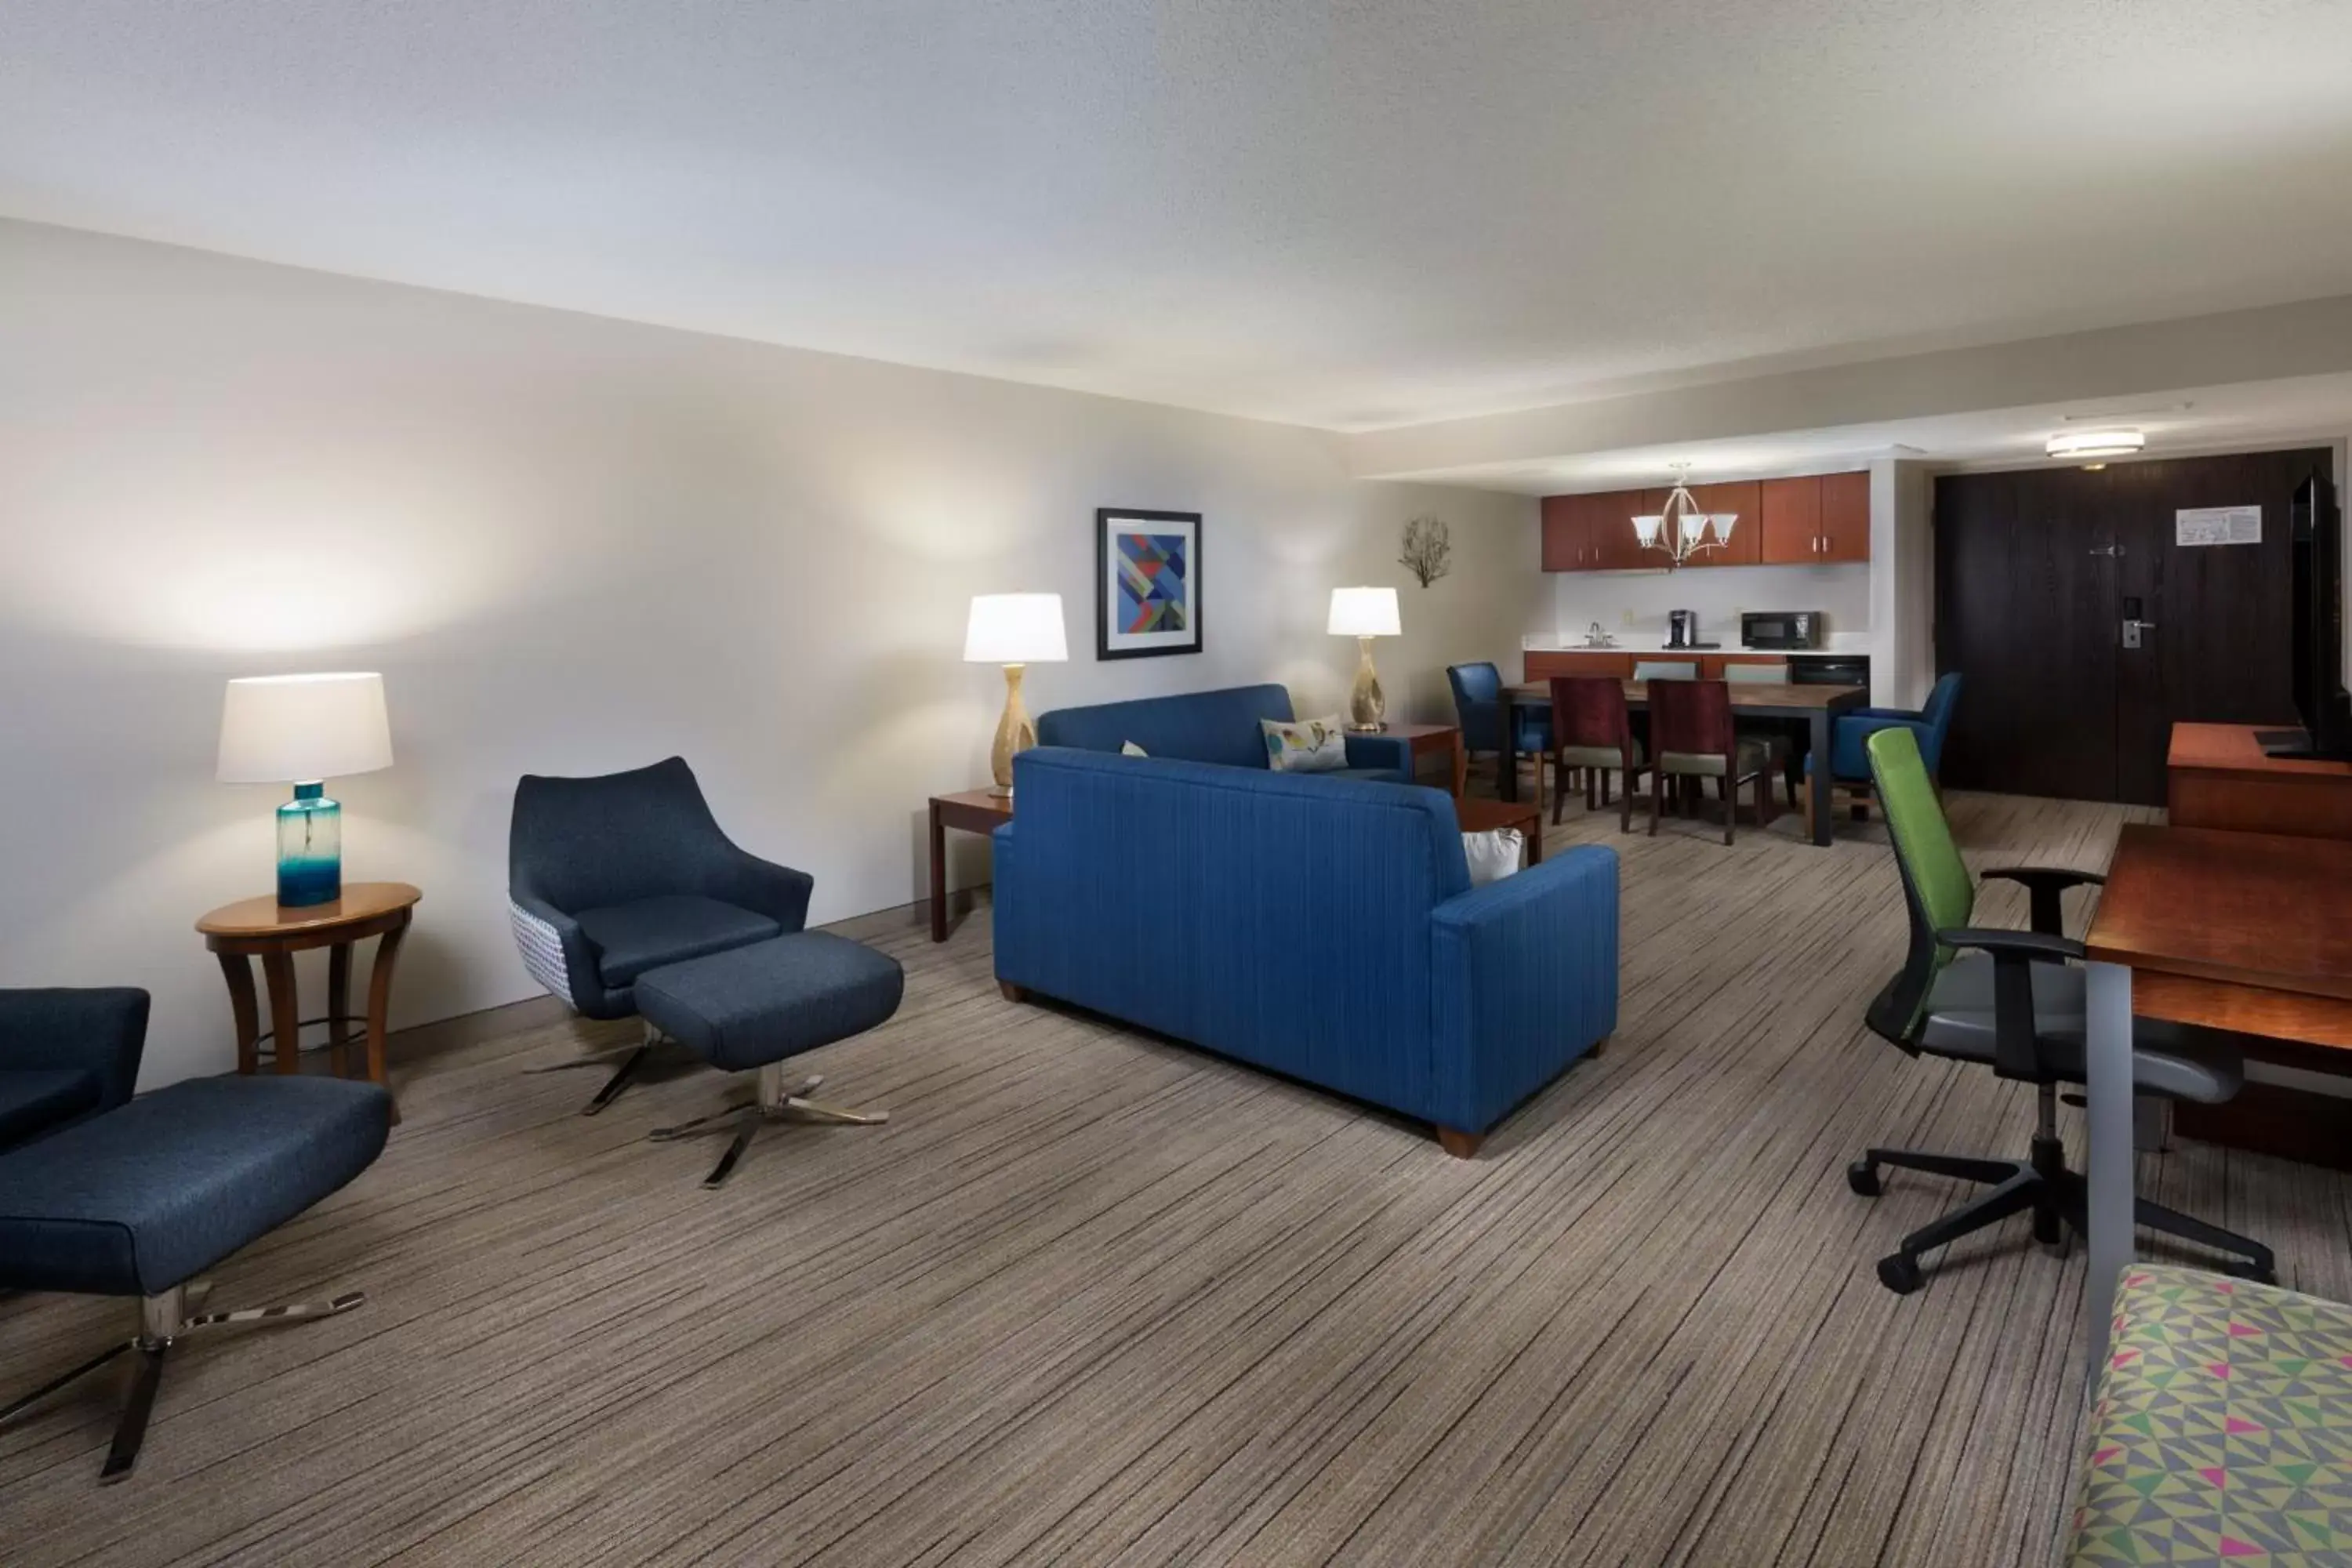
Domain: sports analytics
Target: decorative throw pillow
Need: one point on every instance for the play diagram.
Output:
(1492, 856)
(1309, 746)
(1130, 749)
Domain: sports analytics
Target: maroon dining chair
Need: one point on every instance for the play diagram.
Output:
(1593, 731)
(1692, 737)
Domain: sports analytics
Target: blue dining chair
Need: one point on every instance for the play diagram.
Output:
(1851, 733)
(1478, 707)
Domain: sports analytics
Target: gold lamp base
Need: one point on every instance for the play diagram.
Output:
(1014, 733)
(1368, 708)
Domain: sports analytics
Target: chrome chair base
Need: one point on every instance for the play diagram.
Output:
(162, 1320)
(623, 1076)
(769, 1101)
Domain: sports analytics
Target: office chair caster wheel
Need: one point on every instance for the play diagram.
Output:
(1899, 1274)
(1862, 1177)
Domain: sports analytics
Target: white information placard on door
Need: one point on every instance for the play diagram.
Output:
(2218, 525)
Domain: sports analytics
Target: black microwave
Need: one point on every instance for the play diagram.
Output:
(1782, 628)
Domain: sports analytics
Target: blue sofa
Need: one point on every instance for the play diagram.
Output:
(1323, 929)
(1213, 727)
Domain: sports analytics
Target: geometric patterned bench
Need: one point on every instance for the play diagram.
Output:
(2223, 1432)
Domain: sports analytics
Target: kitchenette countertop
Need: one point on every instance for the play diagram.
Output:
(1849, 643)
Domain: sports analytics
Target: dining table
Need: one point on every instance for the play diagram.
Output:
(1816, 706)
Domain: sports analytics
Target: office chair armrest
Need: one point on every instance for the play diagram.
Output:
(777, 891)
(2044, 883)
(2016, 1052)
(96, 1029)
(1908, 716)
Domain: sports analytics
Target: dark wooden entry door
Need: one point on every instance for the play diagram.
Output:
(2036, 573)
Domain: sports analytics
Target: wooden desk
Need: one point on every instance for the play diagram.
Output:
(969, 811)
(1817, 705)
(262, 928)
(2249, 931)
(1442, 739)
(2218, 776)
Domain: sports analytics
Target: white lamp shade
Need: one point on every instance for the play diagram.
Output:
(285, 729)
(1364, 613)
(1015, 628)
(1645, 529)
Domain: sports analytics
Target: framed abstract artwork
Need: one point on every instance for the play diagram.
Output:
(1147, 582)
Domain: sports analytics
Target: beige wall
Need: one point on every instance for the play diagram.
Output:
(575, 544)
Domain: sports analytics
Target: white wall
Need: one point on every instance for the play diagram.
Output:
(1902, 582)
(572, 545)
(1633, 605)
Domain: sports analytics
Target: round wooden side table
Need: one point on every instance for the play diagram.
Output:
(262, 928)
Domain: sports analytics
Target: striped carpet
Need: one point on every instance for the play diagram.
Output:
(1093, 1298)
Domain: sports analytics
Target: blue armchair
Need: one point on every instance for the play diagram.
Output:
(1478, 707)
(1326, 930)
(66, 1056)
(1849, 737)
(611, 876)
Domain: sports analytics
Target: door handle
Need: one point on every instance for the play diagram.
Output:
(2132, 630)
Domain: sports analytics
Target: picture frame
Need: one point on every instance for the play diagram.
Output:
(1147, 582)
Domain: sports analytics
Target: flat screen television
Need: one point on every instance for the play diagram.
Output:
(2315, 622)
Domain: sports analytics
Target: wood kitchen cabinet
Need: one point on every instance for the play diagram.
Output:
(1811, 520)
(1790, 531)
(1845, 517)
(1743, 501)
(1563, 535)
(1816, 519)
(1592, 533)
(1544, 666)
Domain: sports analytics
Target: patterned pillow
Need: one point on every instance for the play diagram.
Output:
(1309, 746)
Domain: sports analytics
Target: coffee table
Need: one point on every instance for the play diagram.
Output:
(1477, 814)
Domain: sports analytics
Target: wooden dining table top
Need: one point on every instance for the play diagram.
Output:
(1750, 695)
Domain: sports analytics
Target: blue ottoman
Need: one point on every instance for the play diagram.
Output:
(140, 1200)
(751, 1007)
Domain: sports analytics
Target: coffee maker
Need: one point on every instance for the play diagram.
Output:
(1681, 628)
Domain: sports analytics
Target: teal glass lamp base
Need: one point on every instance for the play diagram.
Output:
(309, 848)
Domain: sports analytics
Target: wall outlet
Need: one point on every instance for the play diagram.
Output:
(1628, 617)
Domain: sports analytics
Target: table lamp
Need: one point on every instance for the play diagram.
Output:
(1014, 630)
(1365, 613)
(301, 730)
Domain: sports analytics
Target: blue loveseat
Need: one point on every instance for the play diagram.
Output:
(1213, 727)
(1325, 929)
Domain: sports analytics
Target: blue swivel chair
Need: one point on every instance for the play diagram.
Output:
(103, 1194)
(66, 1056)
(613, 875)
(1851, 734)
(1478, 706)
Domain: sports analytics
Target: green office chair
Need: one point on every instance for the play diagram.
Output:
(2012, 1001)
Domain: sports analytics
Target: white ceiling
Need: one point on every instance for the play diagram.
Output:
(1350, 216)
(2314, 409)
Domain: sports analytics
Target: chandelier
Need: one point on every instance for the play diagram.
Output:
(1681, 530)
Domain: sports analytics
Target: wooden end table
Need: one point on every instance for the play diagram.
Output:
(1443, 739)
(967, 811)
(262, 928)
(1477, 815)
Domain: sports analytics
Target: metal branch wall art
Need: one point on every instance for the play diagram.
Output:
(1428, 549)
